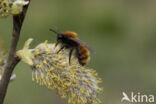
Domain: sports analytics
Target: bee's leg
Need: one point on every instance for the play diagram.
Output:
(60, 49)
(56, 44)
(70, 54)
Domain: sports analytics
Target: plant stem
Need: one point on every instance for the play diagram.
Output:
(12, 59)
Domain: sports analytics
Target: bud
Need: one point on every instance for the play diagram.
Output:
(77, 83)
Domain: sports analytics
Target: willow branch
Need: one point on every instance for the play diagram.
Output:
(12, 58)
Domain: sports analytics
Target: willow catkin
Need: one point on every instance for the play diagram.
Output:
(77, 83)
(11, 7)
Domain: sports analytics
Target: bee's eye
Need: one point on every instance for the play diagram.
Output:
(60, 36)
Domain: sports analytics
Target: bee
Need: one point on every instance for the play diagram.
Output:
(70, 40)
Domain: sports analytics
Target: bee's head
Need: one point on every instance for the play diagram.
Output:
(59, 35)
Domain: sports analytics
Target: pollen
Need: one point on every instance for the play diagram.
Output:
(74, 82)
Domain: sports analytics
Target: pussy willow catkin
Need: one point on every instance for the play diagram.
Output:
(11, 7)
(76, 83)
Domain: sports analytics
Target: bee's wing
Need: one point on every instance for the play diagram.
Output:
(82, 43)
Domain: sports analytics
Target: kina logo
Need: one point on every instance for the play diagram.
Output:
(137, 98)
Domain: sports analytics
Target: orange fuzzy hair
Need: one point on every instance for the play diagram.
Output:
(70, 34)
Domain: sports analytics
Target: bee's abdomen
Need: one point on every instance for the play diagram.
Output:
(83, 55)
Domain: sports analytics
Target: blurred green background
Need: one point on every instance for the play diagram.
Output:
(122, 32)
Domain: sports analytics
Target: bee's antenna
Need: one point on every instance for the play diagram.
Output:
(54, 31)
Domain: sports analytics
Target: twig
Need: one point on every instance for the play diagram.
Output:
(12, 58)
